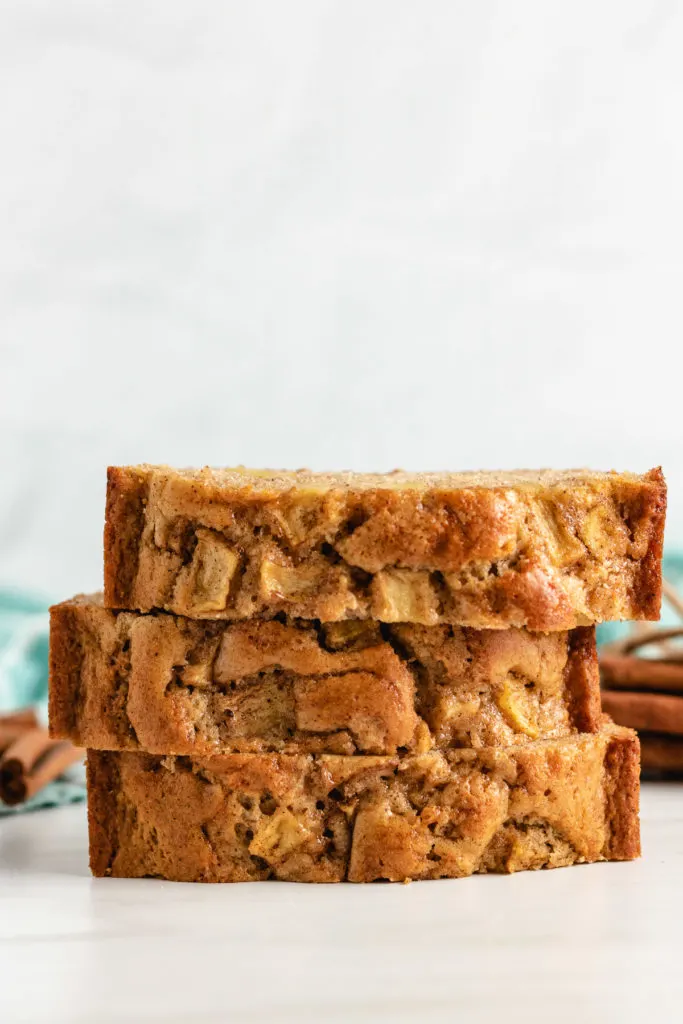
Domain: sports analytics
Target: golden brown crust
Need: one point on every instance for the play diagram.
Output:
(102, 812)
(650, 506)
(582, 670)
(65, 667)
(243, 817)
(544, 550)
(164, 684)
(123, 524)
(622, 787)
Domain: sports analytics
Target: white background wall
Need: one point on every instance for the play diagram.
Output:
(337, 234)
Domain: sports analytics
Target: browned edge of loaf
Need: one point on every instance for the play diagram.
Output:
(65, 668)
(622, 769)
(124, 521)
(582, 678)
(648, 589)
(103, 784)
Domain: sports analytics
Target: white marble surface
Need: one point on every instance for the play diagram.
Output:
(596, 943)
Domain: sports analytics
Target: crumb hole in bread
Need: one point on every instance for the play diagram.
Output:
(329, 553)
(360, 577)
(267, 804)
(356, 519)
(244, 834)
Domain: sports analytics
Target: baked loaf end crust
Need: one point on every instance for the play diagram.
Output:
(546, 550)
(169, 685)
(244, 817)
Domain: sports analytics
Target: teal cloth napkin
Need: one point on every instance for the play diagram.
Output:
(23, 681)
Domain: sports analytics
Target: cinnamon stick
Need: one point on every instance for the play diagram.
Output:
(661, 753)
(8, 735)
(14, 724)
(653, 712)
(624, 671)
(24, 717)
(31, 762)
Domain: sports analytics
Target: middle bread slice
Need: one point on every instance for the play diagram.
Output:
(170, 685)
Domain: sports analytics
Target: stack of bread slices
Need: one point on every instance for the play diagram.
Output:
(326, 677)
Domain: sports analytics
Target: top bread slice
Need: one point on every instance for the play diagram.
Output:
(543, 549)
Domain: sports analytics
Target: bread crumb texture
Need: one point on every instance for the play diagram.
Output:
(165, 684)
(243, 817)
(546, 550)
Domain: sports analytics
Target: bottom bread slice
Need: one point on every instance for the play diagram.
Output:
(242, 817)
